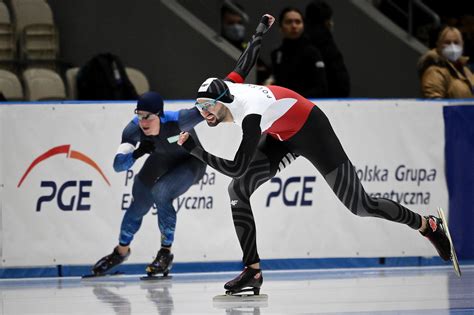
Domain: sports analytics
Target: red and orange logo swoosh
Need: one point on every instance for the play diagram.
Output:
(63, 149)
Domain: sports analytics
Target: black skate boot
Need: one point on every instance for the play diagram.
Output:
(249, 280)
(436, 233)
(162, 263)
(108, 262)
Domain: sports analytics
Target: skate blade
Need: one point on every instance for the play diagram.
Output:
(246, 301)
(102, 276)
(165, 272)
(240, 298)
(454, 257)
(155, 278)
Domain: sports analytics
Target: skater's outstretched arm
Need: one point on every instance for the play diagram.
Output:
(189, 118)
(237, 167)
(186, 118)
(250, 55)
(130, 137)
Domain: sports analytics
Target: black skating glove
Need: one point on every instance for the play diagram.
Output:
(146, 146)
(265, 23)
(189, 144)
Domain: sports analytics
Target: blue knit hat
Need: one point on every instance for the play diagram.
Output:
(151, 102)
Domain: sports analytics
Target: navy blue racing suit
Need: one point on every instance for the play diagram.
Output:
(167, 173)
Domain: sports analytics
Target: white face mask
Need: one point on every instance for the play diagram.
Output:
(452, 52)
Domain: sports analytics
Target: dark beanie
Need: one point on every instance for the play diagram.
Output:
(214, 88)
(150, 102)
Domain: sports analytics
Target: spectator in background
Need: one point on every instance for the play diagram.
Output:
(233, 30)
(319, 25)
(442, 70)
(467, 31)
(297, 64)
(232, 25)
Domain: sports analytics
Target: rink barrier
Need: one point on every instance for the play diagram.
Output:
(270, 264)
(38, 230)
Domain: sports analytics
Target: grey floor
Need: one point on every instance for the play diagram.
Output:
(420, 290)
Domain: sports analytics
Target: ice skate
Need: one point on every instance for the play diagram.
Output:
(438, 234)
(161, 265)
(250, 280)
(105, 265)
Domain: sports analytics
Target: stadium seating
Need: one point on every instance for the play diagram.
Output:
(7, 38)
(38, 36)
(10, 86)
(71, 75)
(43, 84)
(138, 79)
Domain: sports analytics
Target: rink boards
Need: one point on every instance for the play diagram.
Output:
(62, 203)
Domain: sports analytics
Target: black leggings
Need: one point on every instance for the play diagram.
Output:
(318, 143)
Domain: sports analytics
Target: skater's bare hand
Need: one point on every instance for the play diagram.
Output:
(183, 136)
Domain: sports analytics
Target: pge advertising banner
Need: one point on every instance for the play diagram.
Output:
(62, 202)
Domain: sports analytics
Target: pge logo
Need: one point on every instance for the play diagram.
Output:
(299, 186)
(81, 193)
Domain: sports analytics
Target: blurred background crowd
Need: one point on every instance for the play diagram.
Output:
(116, 50)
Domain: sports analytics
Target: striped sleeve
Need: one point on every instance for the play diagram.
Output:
(250, 55)
(237, 167)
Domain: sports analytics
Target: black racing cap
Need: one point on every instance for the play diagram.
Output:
(215, 88)
(151, 102)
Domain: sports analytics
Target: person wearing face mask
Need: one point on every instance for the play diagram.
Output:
(443, 71)
(232, 26)
(233, 30)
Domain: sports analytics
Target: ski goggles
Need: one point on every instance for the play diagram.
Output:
(204, 106)
(145, 116)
